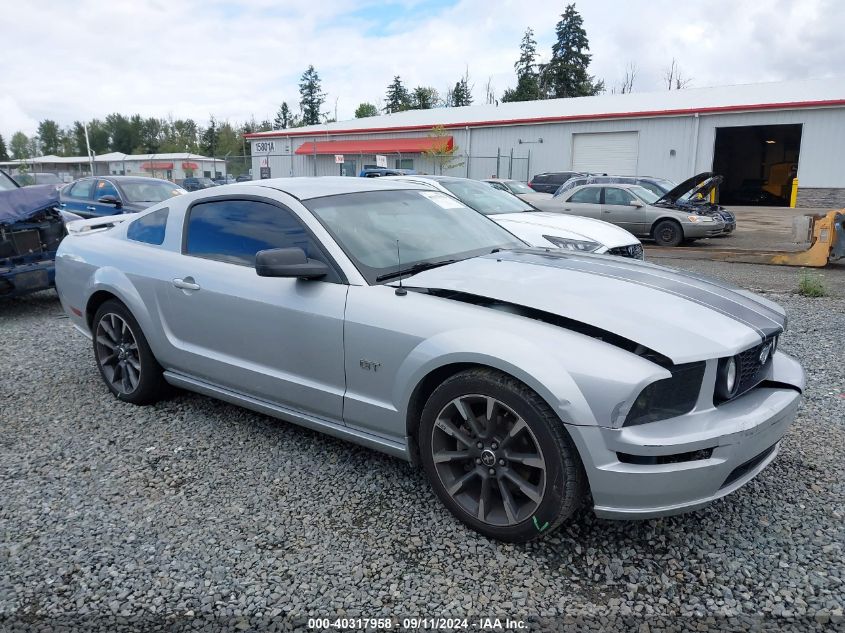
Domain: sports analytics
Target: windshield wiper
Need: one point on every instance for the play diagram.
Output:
(416, 268)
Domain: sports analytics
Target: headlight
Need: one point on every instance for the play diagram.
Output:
(669, 397)
(700, 218)
(727, 378)
(583, 246)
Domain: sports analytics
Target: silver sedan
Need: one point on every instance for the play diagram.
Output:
(523, 381)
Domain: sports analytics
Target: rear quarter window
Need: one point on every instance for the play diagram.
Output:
(149, 228)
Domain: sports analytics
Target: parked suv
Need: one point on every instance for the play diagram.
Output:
(549, 182)
(195, 184)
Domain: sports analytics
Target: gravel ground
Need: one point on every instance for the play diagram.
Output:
(194, 513)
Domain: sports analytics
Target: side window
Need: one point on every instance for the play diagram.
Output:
(652, 188)
(234, 231)
(82, 189)
(149, 228)
(540, 179)
(587, 195)
(105, 188)
(612, 195)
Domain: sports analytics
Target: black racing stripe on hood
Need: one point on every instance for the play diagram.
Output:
(736, 306)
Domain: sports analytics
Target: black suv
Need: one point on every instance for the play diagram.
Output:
(549, 182)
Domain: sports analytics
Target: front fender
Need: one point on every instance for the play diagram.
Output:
(584, 380)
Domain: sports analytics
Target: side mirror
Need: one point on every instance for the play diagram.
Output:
(636, 204)
(110, 200)
(288, 262)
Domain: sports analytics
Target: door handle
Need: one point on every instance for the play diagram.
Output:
(567, 209)
(605, 211)
(63, 205)
(186, 284)
(90, 208)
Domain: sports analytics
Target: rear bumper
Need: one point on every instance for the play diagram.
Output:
(23, 279)
(711, 453)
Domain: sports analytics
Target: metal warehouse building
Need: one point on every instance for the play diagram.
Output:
(758, 136)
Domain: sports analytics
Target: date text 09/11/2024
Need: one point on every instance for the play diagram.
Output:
(417, 623)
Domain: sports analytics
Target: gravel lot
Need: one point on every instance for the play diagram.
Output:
(195, 513)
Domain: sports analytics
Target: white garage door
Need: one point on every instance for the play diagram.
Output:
(612, 153)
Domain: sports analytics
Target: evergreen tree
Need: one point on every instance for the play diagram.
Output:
(283, 117)
(424, 98)
(461, 94)
(19, 145)
(397, 97)
(311, 96)
(4, 153)
(48, 135)
(527, 82)
(365, 110)
(209, 138)
(566, 74)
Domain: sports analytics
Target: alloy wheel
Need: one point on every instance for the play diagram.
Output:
(488, 460)
(117, 353)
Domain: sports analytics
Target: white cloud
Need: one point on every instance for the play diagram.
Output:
(234, 59)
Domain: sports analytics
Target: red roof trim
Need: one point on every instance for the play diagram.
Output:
(410, 145)
(573, 117)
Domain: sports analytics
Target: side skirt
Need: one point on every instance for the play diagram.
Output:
(335, 429)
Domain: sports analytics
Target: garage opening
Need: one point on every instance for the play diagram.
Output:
(613, 153)
(758, 162)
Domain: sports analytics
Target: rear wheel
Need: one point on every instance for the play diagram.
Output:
(668, 233)
(123, 356)
(498, 457)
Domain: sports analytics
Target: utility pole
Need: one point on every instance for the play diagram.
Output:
(90, 153)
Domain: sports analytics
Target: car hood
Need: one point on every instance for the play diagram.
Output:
(531, 198)
(683, 317)
(702, 183)
(568, 226)
(21, 204)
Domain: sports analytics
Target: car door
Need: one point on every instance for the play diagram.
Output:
(276, 339)
(621, 208)
(102, 189)
(76, 198)
(585, 202)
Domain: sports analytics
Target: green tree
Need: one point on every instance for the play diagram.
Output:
(311, 96)
(461, 94)
(19, 146)
(566, 73)
(527, 81)
(442, 152)
(4, 153)
(283, 117)
(153, 135)
(67, 142)
(365, 110)
(209, 138)
(424, 98)
(397, 97)
(48, 136)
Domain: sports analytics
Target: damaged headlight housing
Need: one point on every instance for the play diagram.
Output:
(581, 246)
(669, 397)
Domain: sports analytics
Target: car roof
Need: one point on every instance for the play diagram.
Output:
(305, 188)
(621, 185)
(124, 179)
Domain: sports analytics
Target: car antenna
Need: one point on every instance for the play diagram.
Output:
(400, 291)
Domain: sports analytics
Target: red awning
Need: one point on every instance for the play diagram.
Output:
(377, 146)
(190, 166)
(150, 166)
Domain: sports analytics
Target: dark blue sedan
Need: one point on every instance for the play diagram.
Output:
(111, 195)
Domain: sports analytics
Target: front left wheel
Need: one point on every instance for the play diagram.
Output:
(498, 457)
(124, 357)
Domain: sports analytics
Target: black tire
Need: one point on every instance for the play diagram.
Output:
(668, 233)
(557, 489)
(149, 386)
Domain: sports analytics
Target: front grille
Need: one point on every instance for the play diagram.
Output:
(634, 251)
(750, 367)
(743, 469)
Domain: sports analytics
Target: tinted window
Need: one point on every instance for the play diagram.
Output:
(587, 195)
(149, 228)
(105, 188)
(235, 230)
(540, 179)
(612, 195)
(81, 189)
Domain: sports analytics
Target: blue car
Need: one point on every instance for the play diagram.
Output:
(31, 228)
(97, 196)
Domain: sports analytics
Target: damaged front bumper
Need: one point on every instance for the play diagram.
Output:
(21, 279)
(684, 463)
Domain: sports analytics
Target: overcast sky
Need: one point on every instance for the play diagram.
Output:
(237, 58)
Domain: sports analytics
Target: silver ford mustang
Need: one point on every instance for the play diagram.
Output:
(392, 315)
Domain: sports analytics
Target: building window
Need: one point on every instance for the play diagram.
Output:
(404, 163)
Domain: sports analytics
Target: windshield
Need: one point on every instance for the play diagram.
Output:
(649, 197)
(6, 182)
(150, 191)
(484, 198)
(518, 187)
(427, 226)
